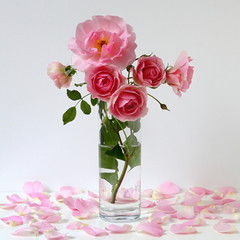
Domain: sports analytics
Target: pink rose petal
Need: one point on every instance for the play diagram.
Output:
(119, 229)
(224, 227)
(201, 191)
(160, 217)
(92, 194)
(208, 215)
(227, 190)
(223, 201)
(7, 206)
(191, 199)
(94, 231)
(26, 231)
(147, 204)
(166, 209)
(67, 191)
(169, 188)
(147, 193)
(33, 187)
(14, 198)
(12, 220)
(182, 229)
(75, 225)
(185, 213)
(42, 226)
(22, 210)
(55, 235)
(197, 222)
(151, 228)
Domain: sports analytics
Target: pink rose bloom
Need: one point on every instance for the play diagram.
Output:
(180, 75)
(104, 39)
(102, 81)
(129, 103)
(150, 71)
(56, 71)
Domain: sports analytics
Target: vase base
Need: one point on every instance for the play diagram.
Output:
(120, 213)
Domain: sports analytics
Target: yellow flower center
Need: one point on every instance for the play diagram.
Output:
(100, 43)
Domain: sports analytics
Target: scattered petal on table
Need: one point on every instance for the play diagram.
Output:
(7, 206)
(147, 203)
(151, 228)
(190, 199)
(14, 198)
(197, 222)
(182, 229)
(166, 209)
(147, 193)
(26, 231)
(33, 187)
(224, 227)
(186, 212)
(113, 228)
(208, 215)
(228, 209)
(75, 225)
(160, 217)
(12, 220)
(94, 231)
(22, 210)
(67, 191)
(42, 226)
(227, 190)
(92, 194)
(169, 188)
(55, 235)
(201, 191)
(223, 201)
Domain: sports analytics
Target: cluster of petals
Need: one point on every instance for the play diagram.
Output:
(184, 211)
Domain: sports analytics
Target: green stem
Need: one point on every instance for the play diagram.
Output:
(82, 99)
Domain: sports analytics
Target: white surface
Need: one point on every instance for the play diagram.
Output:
(197, 143)
(204, 232)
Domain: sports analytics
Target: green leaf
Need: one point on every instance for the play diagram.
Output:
(94, 101)
(116, 152)
(106, 161)
(131, 141)
(112, 178)
(85, 107)
(117, 124)
(135, 156)
(79, 84)
(74, 94)
(69, 115)
(108, 136)
(135, 126)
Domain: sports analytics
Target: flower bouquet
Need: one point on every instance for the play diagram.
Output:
(117, 81)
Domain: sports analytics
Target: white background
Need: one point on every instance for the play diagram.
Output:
(196, 143)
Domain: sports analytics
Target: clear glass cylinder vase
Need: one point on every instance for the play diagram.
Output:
(119, 169)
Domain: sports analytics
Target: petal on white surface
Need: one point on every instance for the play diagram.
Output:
(224, 227)
(151, 228)
(182, 229)
(113, 228)
(94, 231)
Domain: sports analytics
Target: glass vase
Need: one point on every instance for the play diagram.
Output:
(119, 168)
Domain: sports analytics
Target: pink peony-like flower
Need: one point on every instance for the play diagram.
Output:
(129, 103)
(180, 75)
(56, 71)
(150, 71)
(103, 39)
(102, 81)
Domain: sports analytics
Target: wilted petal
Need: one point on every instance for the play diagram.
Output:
(201, 191)
(119, 229)
(169, 188)
(7, 206)
(12, 220)
(182, 229)
(191, 199)
(147, 204)
(151, 228)
(94, 231)
(224, 227)
(75, 225)
(55, 235)
(26, 231)
(33, 187)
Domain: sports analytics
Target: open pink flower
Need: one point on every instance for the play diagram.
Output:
(56, 71)
(103, 39)
(129, 103)
(102, 81)
(150, 71)
(180, 75)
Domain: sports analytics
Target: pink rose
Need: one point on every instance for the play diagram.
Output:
(104, 39)
(102, 81)
(150, 71)
(129, 103)
(56, 71)
(180, 75)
